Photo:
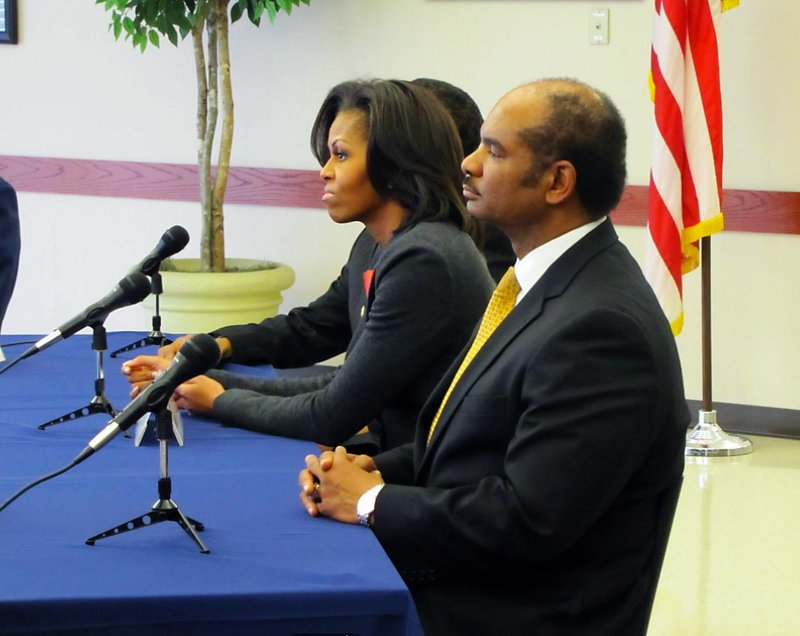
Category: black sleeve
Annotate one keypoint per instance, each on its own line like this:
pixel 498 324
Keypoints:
pixel 304 336
pixel 409 325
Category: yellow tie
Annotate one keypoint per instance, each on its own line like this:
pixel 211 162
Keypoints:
pixel 500 305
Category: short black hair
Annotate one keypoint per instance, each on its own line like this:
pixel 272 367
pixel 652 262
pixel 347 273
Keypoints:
pixel 462 109
pixel 413 150
pixel 590 134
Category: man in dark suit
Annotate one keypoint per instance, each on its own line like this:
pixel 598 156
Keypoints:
pixel 9 244
pixel 531 506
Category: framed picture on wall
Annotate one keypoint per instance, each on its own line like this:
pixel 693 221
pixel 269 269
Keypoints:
pixel 8 21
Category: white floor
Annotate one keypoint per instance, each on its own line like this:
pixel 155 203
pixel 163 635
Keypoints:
pixel 733 562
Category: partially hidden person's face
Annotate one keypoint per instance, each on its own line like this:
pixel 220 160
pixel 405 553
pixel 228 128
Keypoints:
pixel 349 195
pixel 497 185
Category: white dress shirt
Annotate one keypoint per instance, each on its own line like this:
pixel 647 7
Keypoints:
pixel 533 265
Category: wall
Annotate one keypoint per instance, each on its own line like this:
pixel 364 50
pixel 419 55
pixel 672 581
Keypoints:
pixel 70 90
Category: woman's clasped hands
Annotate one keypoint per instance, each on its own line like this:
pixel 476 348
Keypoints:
pixel 196 395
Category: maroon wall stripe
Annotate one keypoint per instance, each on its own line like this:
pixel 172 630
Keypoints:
pixel 745 210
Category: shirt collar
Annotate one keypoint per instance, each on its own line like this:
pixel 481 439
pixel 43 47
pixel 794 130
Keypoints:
pixel 533 265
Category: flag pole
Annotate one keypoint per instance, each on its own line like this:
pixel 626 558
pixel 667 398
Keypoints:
pixel 707 439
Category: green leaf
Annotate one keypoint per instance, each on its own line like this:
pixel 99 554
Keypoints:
pixel 272 11
pixel 172 34
pixel 239 8
pixel 153 37
pixel 258 11
pixel 117 26
pixel 139 41
pixel 175 13
pixel 251 9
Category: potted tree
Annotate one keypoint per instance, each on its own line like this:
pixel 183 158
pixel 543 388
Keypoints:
pixel 183 305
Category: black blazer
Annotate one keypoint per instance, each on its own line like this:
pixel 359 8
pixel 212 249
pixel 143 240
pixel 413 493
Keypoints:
pixel 533 508
pixel 9 244
pixel 401 327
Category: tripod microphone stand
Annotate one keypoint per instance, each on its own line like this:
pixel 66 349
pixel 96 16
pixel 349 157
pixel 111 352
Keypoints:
pixel 165 509
pixel 156 337
pixel 99 403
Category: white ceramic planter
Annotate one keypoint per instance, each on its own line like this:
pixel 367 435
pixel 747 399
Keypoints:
pixel 194 302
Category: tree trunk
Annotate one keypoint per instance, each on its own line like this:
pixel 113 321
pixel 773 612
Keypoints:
pixel 226 137
pixel 203 152
pixel 207 253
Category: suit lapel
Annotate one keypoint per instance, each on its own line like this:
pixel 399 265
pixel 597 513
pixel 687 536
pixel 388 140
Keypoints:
pixel 552 284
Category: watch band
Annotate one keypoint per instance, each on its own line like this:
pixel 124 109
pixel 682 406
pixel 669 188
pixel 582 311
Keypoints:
pixel 366 505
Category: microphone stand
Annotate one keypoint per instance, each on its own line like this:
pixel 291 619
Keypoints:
pixel 99 403
pixel 156 337
pixel 165 509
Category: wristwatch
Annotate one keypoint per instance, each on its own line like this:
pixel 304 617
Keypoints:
pixel 366 505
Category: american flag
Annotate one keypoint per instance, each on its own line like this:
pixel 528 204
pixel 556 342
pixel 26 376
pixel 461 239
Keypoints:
pixel 686 168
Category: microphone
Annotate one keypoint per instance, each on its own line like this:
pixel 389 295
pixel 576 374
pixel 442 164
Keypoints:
pixel 130 290
pixel 171 242
pixel 196 356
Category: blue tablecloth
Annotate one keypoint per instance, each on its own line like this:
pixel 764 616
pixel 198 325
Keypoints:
pixel 271 569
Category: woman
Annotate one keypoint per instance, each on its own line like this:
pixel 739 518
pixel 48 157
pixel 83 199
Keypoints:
pixel 413 288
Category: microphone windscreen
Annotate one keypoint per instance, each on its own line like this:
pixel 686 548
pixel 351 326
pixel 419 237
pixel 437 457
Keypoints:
pixel 135 288
pixel 130 290
pixel 201 352
pixel 173 241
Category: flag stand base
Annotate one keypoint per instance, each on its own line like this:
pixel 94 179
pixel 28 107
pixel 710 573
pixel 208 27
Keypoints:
pixel 707 439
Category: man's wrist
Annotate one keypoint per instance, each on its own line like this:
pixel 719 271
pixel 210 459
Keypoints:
pixel 365 507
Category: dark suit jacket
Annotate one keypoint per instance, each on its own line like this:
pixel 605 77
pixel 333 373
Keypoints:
pixel 428 290
pixel 9 244
pixel 532 510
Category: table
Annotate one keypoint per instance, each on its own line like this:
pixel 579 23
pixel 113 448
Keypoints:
pixel 272 569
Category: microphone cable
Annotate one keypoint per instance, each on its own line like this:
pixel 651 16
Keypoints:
pixel 36 482
pixel 15 344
